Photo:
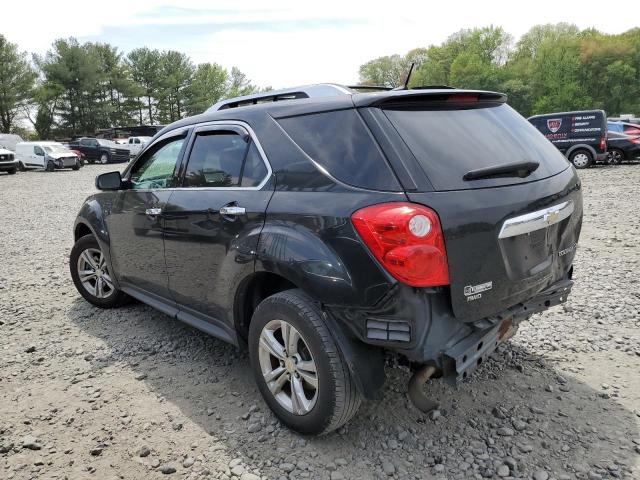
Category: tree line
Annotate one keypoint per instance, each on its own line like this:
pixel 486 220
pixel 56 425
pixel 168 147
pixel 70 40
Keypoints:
pixel 551 68
pixel 79 88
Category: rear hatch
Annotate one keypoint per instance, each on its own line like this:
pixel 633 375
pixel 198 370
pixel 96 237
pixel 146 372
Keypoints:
pixel 509 203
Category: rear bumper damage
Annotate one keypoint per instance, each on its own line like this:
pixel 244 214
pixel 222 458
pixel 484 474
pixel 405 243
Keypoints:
pixel 460 360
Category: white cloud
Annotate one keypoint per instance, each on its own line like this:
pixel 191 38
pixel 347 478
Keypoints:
pixel 274 52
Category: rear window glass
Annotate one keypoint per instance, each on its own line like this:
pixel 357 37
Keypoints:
pixel 450 143
pixel 341 143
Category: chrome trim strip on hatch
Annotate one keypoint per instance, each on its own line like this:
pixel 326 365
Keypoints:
pixel 537 220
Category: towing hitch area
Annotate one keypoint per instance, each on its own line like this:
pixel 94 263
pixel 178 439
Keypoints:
pixel 416 392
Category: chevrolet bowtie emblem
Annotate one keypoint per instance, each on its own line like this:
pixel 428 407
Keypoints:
pixel 551 217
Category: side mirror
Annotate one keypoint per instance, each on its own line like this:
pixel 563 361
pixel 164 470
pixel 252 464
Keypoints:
pixel 109 181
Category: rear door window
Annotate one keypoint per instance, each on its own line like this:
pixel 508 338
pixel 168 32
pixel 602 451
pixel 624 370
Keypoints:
pixel 449 143
pixel 340 143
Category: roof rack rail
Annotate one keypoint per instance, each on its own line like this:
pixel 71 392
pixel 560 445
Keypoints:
pixel 306 91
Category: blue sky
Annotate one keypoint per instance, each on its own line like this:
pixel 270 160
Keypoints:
pixel 282 43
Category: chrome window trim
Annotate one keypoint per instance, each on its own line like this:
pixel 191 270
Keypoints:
pixel 537 220
pixel 221 123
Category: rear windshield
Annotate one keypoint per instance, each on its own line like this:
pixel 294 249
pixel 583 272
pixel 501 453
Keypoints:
pixel 450 143
pixel 341 143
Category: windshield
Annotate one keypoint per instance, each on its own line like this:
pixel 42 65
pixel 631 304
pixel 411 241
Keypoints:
pixel 56 149
pixel 450 143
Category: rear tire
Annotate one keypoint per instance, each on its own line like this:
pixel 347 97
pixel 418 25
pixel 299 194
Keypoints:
pixel 76 166
pixel 312 357
pixel 96 284
pixel 581 158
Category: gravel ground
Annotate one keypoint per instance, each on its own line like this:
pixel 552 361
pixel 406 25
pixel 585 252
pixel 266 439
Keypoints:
pixel 130 393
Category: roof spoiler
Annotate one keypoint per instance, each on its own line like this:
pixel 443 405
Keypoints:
pixel 436 99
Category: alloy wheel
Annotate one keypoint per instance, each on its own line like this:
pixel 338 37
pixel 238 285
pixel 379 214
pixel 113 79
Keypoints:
pixel 288 367
pixel 94 274
pixel 104 159
pixel 616 157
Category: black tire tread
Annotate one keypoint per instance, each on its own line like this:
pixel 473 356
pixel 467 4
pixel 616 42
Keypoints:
pixel 347 399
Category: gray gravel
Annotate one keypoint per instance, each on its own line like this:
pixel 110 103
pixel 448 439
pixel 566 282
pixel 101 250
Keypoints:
pixel 132 394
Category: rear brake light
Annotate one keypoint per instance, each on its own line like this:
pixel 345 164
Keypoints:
pixel 635 139
pixel 603 143
pixel 407 240
pixel 463 98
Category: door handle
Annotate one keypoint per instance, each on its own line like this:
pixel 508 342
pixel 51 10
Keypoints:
pixel 153 211
pixel 232 210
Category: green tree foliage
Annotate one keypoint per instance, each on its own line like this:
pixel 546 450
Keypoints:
pixel 17 79
pixel 551 68
pixel 208 85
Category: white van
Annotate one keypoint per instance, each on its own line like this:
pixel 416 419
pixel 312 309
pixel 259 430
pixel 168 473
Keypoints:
pixel 47 155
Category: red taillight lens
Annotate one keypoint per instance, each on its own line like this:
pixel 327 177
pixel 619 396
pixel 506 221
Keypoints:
pixel 603 143
pixel 407 240
pixel 635 139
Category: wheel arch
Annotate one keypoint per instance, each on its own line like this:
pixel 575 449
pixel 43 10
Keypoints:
pixel 582 146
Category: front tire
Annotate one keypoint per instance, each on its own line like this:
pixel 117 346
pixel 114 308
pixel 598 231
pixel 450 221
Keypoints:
pixel 581 158
pixel 299 367
pixel 91 275
pixel 50 166
pixel 616 156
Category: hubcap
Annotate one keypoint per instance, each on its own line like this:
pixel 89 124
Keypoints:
pixel 104 159
pixel 616 157
pixel 581 160
pixel 94 274
pixel 288 367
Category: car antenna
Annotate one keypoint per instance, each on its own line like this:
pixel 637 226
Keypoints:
pixel 406 81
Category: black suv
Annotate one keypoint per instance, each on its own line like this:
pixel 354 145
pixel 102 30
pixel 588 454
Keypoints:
pixel 326 232
pixel 580 135
pixel 99 150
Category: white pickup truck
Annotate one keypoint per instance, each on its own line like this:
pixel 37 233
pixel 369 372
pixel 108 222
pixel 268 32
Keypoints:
pixel 136 144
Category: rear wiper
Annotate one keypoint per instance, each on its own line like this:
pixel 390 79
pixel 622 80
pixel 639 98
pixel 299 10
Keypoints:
pixel 518 169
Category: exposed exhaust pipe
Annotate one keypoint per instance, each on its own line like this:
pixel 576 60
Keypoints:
pixel 416 393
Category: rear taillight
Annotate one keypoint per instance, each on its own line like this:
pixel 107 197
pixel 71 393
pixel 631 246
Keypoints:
pixel 407 240
pixel 603 143
pixel 635 140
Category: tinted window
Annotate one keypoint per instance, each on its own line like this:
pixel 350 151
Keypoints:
pixel 38 150
pixel 155 169
pixel 216 160
pixel 254 169
pixel 85 141
pixel 341 143
pixel 450 143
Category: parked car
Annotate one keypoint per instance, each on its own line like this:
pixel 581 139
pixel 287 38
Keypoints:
pixel 581 136
pixel 47 155
pixel 8 163
pixel 77 152
pixel 136 144
pixel 624 127
pixel 322 232
pixel 100 150
pixel 622 147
